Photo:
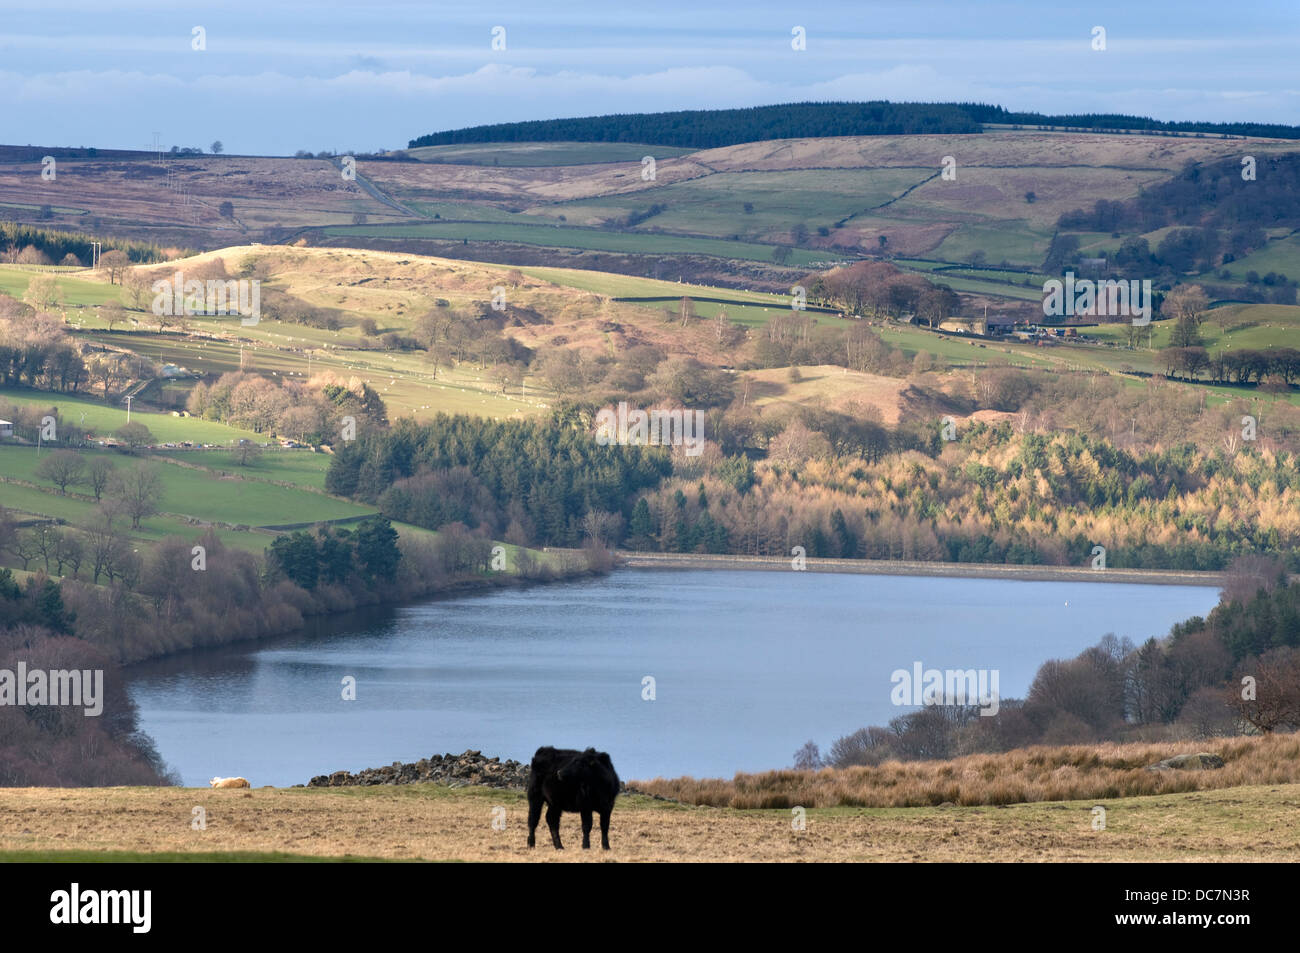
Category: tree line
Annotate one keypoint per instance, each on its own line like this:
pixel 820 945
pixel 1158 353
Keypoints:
pixel 1236 671
pixel 711 128
pixel 310 411
pixel 57 245
pixel 1222 217
pixel 51 745
pixel 529 482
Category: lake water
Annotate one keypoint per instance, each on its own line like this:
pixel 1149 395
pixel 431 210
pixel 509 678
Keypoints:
pixel 746 667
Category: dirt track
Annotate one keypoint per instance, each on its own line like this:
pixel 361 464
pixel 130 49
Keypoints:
pixel 435 823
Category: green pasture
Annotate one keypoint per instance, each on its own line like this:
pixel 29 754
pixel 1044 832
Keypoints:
pixel 715 204
pixel 72 291
pixel 1281 256
pixel 22 500
pixel 403 379
pixel 103 418
pixel 586 239
pixel 1013 241
pixel 300 467
pixel 203 494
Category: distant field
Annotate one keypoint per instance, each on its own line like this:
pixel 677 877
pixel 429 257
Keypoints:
pixel 715 204
pixel 56 209
pixel 465 211
pixel 827 385
pixel 202 494
pixel 540 153
pixel 957 282
pixel 629 286
pixel 1009 242
pixel 299 467
pixel 1228 327
pixel 754 310
pixel 402 378
pixel 588 239
pixel 103 419
pixel 34 502
pixel 853 181
pixel 72 291
pixel 1281 256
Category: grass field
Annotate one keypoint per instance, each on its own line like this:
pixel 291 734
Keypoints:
pixel 299 467
pixel 1282 256
pixel 1227 327
pixel 73 291
pixel 540 153
pixel 588 239
pixel 715 205
pixel 212 495
pixel 403 379
pixel 430 822
pixel 28 501
pixel 103 419
pixel 1011 241
pixel 630 286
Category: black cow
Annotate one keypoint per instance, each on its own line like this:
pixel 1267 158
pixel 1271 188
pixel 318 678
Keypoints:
pixel 576 781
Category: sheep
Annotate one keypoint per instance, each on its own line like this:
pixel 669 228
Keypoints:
pixel 230 783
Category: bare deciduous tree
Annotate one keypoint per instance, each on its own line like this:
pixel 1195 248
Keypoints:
pixel 62 468
pixel 139 491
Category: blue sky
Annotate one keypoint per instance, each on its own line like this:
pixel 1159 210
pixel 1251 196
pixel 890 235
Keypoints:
pixel 280 76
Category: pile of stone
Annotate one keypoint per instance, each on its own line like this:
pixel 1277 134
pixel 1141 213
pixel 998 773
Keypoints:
pixel 453 770
pixel 1203 761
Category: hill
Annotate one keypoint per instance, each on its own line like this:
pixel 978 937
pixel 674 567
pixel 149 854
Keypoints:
pixel 752 214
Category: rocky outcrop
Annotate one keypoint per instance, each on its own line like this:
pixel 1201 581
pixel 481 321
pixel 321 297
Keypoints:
pixel 1204 761
pixel 453 770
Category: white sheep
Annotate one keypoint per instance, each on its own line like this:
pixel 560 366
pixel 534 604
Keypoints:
pixel 230 783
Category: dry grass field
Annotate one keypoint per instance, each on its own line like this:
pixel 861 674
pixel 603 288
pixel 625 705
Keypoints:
pixel 825 385
pixel 179 196
pixel 1024 775
pixel 429 822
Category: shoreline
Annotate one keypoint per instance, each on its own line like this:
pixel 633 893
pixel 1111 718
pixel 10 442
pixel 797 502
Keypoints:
pixel 890 567
pixel 465 586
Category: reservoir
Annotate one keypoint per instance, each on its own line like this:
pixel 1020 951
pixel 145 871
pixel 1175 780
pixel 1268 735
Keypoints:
pixel 743 667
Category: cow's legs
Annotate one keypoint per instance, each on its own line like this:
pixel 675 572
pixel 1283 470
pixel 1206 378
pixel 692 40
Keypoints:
pixel 553 822
pixel 534 815
pixel 604 829
pixel 586 830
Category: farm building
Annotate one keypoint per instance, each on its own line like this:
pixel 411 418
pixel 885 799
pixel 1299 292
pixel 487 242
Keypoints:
pixel 6 428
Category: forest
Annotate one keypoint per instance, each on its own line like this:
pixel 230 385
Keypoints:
pixel 54 247
pixel 1071 470
pixel 713 128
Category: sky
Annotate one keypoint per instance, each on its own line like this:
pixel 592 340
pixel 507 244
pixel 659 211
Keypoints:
pixel 274 77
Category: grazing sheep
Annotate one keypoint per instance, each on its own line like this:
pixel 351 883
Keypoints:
pixel 568 780
pixel 230 783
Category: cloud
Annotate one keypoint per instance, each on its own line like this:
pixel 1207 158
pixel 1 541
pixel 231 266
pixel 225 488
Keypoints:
pixel 369 105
